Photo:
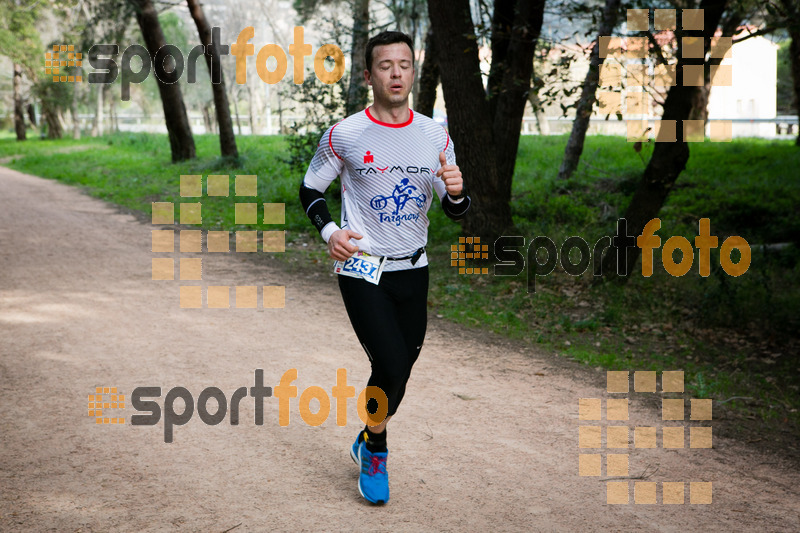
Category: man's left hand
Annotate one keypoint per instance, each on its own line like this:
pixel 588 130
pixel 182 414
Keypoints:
pixel 451 176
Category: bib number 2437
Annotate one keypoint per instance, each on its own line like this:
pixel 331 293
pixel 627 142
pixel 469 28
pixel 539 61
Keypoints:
pixel 361 265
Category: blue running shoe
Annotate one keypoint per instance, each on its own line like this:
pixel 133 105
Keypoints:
pixel 354 447
pixel 373 481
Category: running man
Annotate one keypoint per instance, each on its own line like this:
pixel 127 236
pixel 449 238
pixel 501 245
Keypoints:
pixel 380 247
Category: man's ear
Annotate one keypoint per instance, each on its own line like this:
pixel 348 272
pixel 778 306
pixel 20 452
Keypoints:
pixel 367 77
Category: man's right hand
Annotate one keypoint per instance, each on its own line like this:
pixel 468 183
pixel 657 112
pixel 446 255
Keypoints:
pixel 339 246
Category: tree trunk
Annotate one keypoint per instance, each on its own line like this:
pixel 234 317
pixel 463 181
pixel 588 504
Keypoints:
pixel 207 118
pixel 357 88
pixel 486 133
pixel 236 111
pixel 19 108
pixel 260 113
pixel 112 115
pixel 227 140
pixel 280 113
pixel 31 114
pixel 538 111
pixel 73 111
pixel 251 109
pixel 268 111
pixel 469 117
pixel 669 158
pixel 50 117
pixel 502 21
pixel 794 54
pixel 583 113
pixel 62 122
pixel 514 87
pixel 180 134
pixel 428 78
pixel 97 124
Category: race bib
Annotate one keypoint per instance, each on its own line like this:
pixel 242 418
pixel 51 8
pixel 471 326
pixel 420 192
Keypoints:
pixel 361 265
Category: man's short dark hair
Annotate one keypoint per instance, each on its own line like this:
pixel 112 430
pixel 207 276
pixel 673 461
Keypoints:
pixel 384 38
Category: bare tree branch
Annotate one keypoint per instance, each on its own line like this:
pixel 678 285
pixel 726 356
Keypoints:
pixel 656 48
pixel 763 31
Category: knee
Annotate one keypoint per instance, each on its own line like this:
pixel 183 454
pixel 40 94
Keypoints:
pixel 391 379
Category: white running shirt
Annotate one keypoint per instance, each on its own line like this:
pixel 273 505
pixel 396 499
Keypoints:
pixel 388 173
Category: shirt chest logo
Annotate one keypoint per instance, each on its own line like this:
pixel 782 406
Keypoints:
pixel 395 202
pixel 370 167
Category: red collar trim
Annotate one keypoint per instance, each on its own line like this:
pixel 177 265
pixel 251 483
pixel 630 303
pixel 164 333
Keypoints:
pixel 388 125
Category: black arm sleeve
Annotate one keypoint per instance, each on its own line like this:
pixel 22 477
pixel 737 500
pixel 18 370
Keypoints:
pixel 456 211
pixel 315 206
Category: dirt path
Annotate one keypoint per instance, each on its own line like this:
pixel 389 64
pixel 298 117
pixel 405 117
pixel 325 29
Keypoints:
pixel 487 437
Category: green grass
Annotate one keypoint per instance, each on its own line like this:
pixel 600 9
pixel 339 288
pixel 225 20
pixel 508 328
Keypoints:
pixel 133 170
pixel 732 336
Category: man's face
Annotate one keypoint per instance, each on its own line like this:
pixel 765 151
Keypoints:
pixel 392 74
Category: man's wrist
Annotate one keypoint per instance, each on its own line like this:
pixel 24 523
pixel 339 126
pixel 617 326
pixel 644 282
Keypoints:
pixel 456 199
pixel 329 230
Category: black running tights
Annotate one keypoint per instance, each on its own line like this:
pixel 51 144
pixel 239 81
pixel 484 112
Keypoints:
pixel 390 321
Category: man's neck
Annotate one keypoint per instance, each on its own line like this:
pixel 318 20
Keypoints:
pixel 391 115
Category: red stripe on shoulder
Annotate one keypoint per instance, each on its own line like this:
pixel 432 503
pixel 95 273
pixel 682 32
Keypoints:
pixel 447 135
pixel 330 141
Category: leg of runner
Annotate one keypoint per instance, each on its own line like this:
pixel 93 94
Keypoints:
pixel 390 320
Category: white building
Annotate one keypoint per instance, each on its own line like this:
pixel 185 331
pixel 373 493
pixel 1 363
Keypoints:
pixel 752 94
pixel 747 98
